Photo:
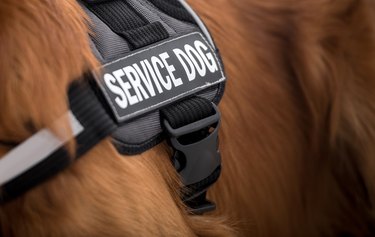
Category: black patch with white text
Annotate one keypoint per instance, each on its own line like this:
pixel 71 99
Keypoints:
pixel 154 77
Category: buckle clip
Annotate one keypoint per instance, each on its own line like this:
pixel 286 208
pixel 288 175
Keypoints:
pixel 197 158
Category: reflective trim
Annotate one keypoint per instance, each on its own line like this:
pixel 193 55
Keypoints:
pixel 35 149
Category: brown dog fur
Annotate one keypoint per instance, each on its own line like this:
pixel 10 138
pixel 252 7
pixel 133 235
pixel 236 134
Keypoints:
pixel 296 140
pixel 298 117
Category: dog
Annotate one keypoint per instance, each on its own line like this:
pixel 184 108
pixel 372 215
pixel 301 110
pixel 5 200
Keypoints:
pixel 296 138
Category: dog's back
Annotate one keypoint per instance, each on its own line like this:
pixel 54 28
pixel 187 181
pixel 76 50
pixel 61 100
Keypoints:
pixel 299 128
pixel 297 135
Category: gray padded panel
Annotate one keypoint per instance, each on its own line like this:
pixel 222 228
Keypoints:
pixel 209 94
pixel 110 45
pixel 95 51
pixel 139 130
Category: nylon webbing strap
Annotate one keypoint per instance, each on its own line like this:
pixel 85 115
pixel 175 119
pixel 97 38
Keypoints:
pixel 125 21
pixel 96 123
pixel 188 111
pixel 94 118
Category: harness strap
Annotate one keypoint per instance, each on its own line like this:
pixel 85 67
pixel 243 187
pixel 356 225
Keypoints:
pixel 128 23
pixel 94 125
pixel 192 124
pixel 188 111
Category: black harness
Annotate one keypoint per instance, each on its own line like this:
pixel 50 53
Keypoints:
pixel 161 78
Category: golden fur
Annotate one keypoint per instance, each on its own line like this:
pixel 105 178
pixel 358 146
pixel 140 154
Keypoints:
pixel 297 137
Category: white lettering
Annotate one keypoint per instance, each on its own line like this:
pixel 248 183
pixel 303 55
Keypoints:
pixel 160 73
pixel 208 58
pixel 201 67
pixel 134 79
pixel 170 69
pixel 125 86
pixel 153 75
pixel 121 100
pixel 155 62
pixel 182 57
pixel 145 77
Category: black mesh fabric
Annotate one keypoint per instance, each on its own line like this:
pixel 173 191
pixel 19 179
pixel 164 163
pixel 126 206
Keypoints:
pixel 173 8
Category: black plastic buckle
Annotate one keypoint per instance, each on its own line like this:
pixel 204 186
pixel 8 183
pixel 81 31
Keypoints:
pixel 199 158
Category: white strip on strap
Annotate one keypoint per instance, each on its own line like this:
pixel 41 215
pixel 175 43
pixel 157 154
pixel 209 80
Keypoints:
pixel 35 149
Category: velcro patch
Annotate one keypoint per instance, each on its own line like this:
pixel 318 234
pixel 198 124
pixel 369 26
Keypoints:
pixel 151 78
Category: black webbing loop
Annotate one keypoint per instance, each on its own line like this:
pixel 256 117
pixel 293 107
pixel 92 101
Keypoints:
pixel 125 21
pixel 145 35
pixel 97 125
pixel 118 15
pixel 89 111
pixel 188 111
